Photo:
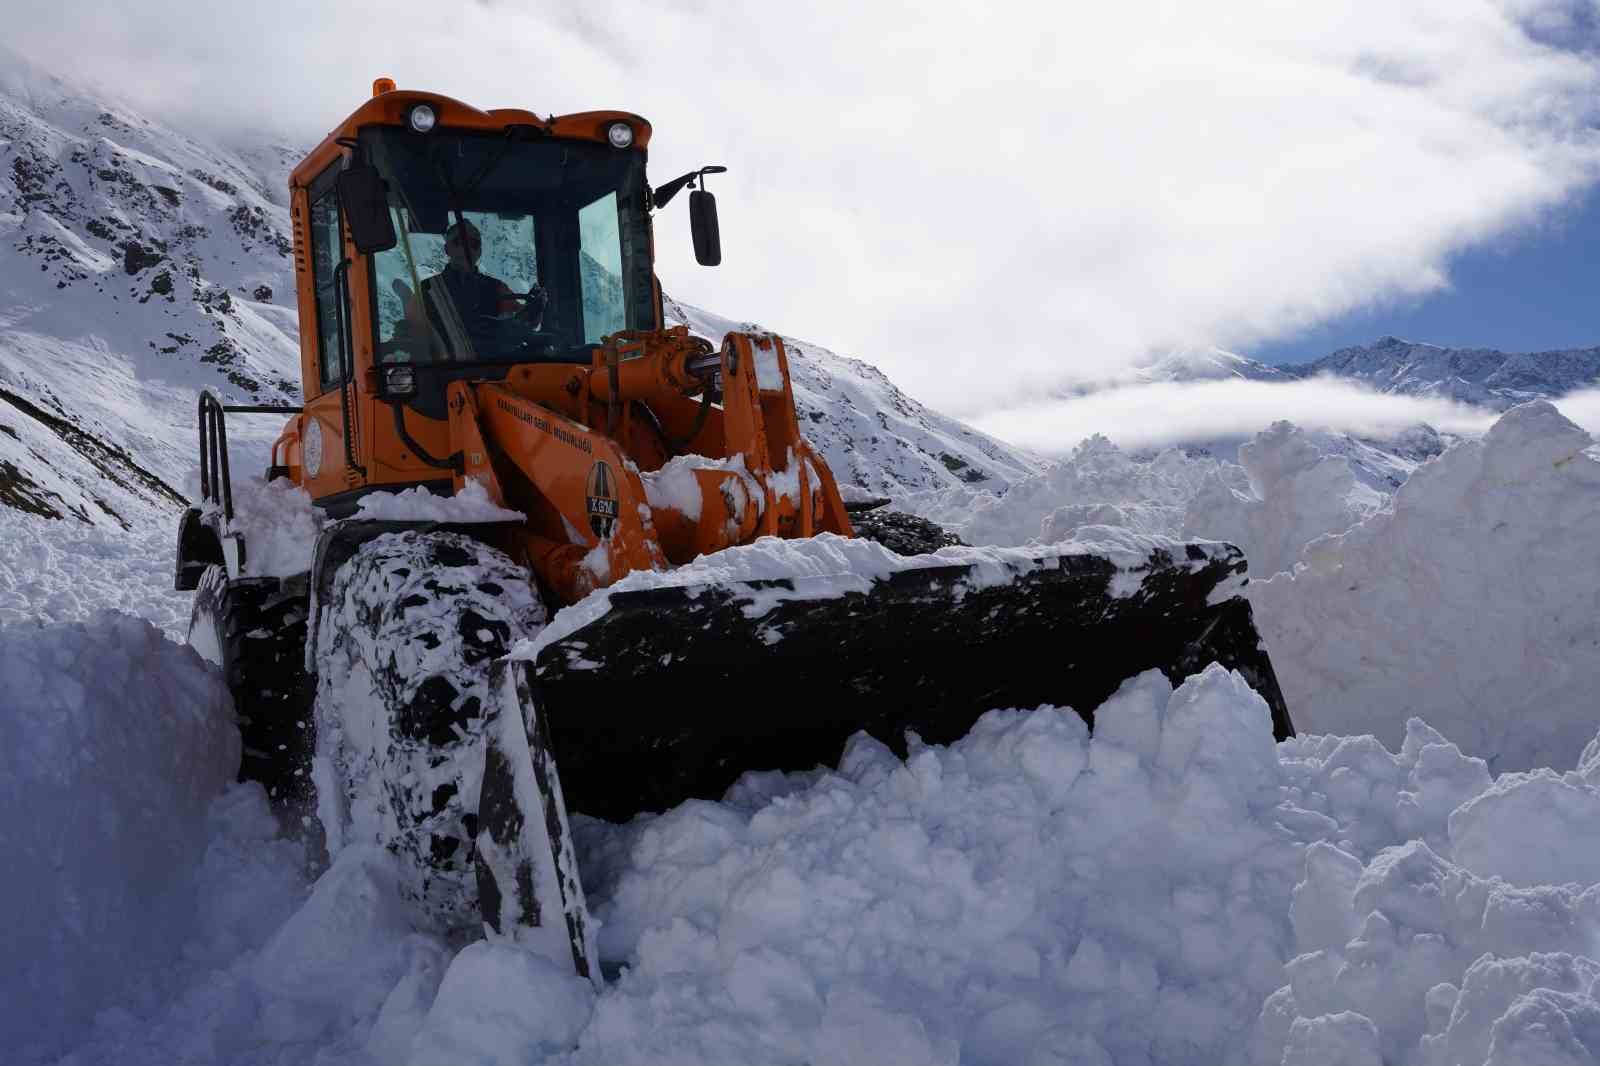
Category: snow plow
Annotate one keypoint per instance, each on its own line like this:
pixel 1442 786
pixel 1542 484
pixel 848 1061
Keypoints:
pixel 572 558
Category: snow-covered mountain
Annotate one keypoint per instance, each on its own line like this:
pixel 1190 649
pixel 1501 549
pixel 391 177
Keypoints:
pixel 1207 363
pixel 137 266
pixel 1480 376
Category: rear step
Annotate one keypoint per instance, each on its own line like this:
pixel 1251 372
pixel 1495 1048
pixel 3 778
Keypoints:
pixel 675 692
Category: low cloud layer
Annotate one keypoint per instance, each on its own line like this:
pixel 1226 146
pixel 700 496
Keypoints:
pixel 1151 416
pixel 986 202
pixel 1583 407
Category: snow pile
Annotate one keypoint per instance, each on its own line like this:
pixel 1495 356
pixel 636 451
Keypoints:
pixel 279 524
pixel 1422 960
pixel 1297 493
pixel 1098 484
pixel 676 486
pixel 1469 601
pixel 66 571
pixel 501 1005
pixel 471 504
pixel 1028 894
pixel 112 743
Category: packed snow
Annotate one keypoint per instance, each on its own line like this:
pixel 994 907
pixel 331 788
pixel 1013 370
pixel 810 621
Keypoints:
pixel 1471 600
pixel 115 741
pixel 1297 493
pixel 1174 888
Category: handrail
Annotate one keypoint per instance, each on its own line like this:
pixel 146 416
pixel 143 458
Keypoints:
pixel 216 482
pixel 347 362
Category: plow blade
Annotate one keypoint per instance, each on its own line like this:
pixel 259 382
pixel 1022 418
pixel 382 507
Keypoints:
pixel 675 691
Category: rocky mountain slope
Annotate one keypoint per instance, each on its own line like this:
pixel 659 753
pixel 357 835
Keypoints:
pixel 1483 377
pixel 1480 376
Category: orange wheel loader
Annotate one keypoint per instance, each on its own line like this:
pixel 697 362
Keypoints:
pixel 481 327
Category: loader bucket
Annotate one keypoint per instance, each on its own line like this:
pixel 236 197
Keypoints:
pixel 674 692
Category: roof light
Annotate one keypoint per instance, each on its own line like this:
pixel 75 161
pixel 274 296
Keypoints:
pixel 620 134
pixel 422 118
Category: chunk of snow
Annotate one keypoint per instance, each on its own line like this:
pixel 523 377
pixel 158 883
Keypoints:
pixel 502 1006
pixel 471 504
pixel 280 526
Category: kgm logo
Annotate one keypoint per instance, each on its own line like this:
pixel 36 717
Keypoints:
pixel 602 500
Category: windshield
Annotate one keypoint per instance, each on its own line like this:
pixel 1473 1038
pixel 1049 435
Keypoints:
pixel 511 248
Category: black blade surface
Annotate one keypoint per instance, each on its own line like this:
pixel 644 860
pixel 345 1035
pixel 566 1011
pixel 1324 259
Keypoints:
pixel 675 692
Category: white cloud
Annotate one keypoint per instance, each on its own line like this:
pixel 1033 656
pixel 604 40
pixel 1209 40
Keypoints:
pixel 985 200
pixel 1147 416
pixel 1583 407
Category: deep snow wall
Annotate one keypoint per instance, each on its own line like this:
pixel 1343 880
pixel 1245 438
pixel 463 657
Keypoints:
pixel 1472 601
pixel 113 742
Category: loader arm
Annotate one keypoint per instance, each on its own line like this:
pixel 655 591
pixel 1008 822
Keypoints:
pixel 597 511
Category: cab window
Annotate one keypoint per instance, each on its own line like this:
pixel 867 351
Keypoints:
pixel 327 251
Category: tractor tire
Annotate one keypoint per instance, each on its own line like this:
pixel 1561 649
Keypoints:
pixel 256 635
pixel 901 533
pixel 413 623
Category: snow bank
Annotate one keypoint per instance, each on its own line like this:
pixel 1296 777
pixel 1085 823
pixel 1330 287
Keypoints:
pixel 1408 943
pixel 1297 493
pixel 1176 888
pixel 64 571
pixel 1028 894
pixel 1470 601
pixel 1442 967
pixel 112 743
pixel 1098 484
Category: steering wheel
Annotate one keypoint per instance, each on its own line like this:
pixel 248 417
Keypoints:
pixel 534 303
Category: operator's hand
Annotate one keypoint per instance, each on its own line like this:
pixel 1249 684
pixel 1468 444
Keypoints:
pixel 534 304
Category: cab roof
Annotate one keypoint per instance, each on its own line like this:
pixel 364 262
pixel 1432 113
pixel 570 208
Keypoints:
pixel 392 108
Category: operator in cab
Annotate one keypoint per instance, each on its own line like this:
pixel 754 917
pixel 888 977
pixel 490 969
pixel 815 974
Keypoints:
pixel 461 307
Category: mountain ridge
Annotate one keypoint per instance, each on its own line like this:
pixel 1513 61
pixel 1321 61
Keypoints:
pixel 1486 377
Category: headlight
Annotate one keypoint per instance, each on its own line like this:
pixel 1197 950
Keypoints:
pixel 400 381
pixel 620 134
pixel 422 118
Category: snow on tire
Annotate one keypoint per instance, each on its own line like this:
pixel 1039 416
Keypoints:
pixel 412 624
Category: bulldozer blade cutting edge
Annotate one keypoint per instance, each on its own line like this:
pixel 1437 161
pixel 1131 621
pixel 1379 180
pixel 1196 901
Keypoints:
pixel 528 885
pixel 674 691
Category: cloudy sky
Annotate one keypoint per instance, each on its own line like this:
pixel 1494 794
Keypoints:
pixel 987 200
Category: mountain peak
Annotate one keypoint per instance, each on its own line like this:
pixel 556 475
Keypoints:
pixel 1480 376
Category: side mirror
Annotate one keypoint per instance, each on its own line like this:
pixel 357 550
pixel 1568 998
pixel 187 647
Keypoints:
pixel 703 227
pixel 366 209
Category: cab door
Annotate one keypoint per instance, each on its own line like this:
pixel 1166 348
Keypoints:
pixel 332 462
